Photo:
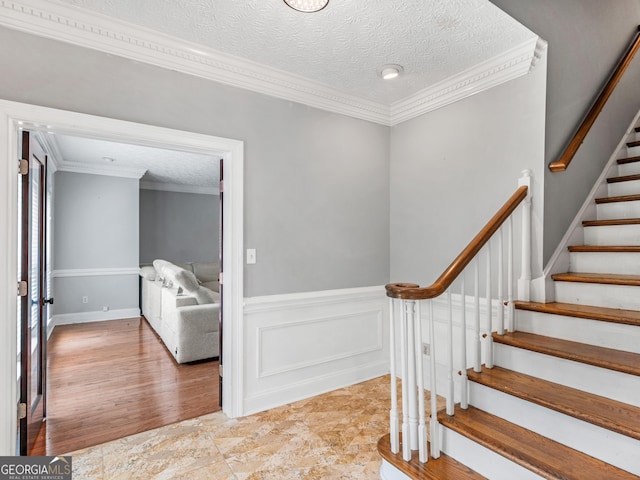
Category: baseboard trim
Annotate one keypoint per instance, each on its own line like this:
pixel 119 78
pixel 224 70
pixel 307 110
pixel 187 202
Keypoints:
pixel 98 316
pixel 314 386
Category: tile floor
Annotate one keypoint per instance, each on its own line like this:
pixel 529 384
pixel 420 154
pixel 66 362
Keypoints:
pixel 331 436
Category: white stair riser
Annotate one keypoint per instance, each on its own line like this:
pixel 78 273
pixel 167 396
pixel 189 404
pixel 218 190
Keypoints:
pixel 632 168
pixel 599 381
pixel 484 461
pixel 611 447
pixel 624 188
pixel 633 151
pixel 599 295
pixel 610 211
pixel 626 263
pixel 592 332
pixel 612 235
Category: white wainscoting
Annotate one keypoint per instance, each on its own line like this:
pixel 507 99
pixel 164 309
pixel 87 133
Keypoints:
pixel 300 345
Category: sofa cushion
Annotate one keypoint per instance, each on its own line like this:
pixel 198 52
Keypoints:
pixel 214 286
pixel 189 284
pixel 206 271
pixel 148 273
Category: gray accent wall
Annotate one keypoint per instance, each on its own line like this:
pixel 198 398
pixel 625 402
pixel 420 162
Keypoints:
pixel 179 227
pixel 586 39
pixel 95 227
pixel 453 168
pixel 316 183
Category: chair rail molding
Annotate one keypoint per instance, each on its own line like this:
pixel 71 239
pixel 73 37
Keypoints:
pixel 100 32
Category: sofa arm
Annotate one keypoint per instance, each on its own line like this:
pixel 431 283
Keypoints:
pixel 197 319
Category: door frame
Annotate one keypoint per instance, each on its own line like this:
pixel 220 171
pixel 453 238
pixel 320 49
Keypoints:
pixel 13 117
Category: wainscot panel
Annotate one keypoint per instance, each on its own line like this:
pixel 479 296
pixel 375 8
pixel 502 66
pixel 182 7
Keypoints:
pixel 300 345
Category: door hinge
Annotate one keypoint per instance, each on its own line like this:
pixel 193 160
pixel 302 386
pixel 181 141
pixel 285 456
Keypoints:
pixel 220 278
pixel 22 411
pixel 23 288
pixel 220 370
pixel 23 167
pixel 221 188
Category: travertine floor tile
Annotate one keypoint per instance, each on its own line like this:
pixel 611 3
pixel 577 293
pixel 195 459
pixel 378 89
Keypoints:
pixel 331 436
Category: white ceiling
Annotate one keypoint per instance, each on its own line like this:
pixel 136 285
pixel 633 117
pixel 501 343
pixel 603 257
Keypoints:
pixel 176 170
pixel 341 46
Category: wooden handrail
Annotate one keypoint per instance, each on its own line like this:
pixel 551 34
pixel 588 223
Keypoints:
pixel 562 163
pixel 409 291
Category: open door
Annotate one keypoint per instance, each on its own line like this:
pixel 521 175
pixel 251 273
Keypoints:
pixel 220 278
pixel 32 291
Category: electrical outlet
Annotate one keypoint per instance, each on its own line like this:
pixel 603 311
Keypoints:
pixel 426 349
pixel 85 299
pixel 105 308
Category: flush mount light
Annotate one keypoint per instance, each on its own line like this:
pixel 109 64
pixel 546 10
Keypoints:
pixel 389 72
pixel 307 6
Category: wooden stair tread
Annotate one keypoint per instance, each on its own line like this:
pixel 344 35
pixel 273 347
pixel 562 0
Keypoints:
pixel 443 468
pixel 617 199
pixel 623 178
pixel 547 458
pixel 633 144
pixel 605 248
pixel 615 221
pixel 622 161
pixel 609 358
pixel 601 411
pixel 604 278
pixel 613 315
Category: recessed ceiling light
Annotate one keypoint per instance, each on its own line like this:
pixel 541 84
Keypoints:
pixel 108 159
pixel 307 6
pixel 389 72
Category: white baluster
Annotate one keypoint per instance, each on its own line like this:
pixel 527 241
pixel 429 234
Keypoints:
pixel 511 322
pixel 488 361
pixel 500 327
pixel 524 283
pixel 464 403
pixel 406 444
pixel 476 326
pixel 450 400
pixel 433 424
pixel 393 413
pixel 411 380
pixel 422 429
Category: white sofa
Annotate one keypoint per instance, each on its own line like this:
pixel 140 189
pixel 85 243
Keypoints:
pixel 181 303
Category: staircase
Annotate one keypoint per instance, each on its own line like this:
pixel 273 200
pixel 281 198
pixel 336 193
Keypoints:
pixel 563 398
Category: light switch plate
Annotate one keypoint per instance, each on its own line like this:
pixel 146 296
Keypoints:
pixel 251 256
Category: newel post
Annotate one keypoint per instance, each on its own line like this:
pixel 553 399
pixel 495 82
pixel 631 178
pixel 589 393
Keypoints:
pixel 524 282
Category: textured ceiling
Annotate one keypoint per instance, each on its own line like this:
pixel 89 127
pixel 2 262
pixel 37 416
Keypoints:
pixel 162 166
pixel 341 46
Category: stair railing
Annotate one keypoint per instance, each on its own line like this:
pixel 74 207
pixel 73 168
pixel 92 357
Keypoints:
pixel 405 316
pixel 562 163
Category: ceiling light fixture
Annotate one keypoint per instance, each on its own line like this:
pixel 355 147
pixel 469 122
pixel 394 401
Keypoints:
pixel 307 6
pixel 389 72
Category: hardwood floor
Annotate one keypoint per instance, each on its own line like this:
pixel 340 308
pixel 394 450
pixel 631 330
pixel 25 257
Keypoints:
pixel 107 380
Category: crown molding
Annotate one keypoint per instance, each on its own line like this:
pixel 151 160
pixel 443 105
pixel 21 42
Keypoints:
pixel 174 187
pixel 109 171
pixel 100 32
pixel 509 65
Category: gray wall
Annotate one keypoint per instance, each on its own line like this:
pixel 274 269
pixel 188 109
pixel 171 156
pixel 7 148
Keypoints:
pixel 453 168
pixel 95 227
pixel 179 227
pixel 316 183
pixel 586 39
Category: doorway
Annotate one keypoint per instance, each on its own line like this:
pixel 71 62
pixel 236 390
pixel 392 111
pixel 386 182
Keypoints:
pixel 21 116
